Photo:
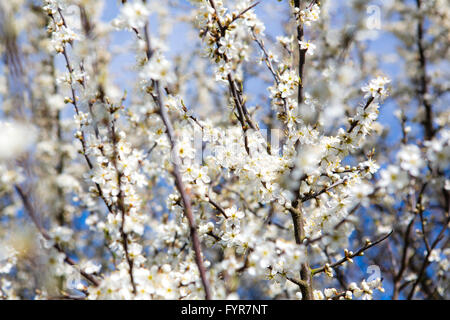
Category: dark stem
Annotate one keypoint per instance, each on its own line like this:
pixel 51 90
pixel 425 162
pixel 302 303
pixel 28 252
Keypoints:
pixel 157 98
pixel 301 54
pixel 423 82
pixel 305 270
pixel 31 213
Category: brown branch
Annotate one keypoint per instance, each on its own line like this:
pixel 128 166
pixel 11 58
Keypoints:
pixel 426 283
pixel 299 282
pixel 269 66
pixel 218 207
pixel 243 114
pixel 404 258
pixel 121 204
pixel 75 104
pixel 426 262
pixel 267 57
pixel 157 98
pixel 296 210
pixel 423 82
pixel 318 193
pixel 242 13
pixel 347 257
pixel 299 233
pixel 355 123
pixel 31 213
pixel 422 223
pixel 301 54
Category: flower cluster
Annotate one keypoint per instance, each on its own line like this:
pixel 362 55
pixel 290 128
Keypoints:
pixel 376 88
pixel 310 14
pixel 363 291
pixel 133 15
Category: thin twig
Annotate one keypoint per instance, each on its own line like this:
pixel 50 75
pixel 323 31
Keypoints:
pixel 31 213
pixel 350 256
pixel 426 261
pixel 157 98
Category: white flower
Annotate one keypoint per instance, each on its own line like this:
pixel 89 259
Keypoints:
pixel 7 258
pixel 310 15
pixel 15 139
pixel 227 45
pixel 52 6
pixel 61 234
pixel 91 268
pixel 376 88
pixel 285 89
pixel 438 150
pixel 184 149
pixel 133 14
pixel 411 159
pixel 435 255
pixel 318 295
pixel 329 292
pixel 393 178
pixel 308 158
pixel 308 46
pixel 158 69
pixel 223 69
pixel 348 295
pixel 203 175
pixel 360 193
pixel 233 214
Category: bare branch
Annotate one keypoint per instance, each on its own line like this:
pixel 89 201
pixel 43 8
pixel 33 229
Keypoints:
pixel 360 252
pixel 31 213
